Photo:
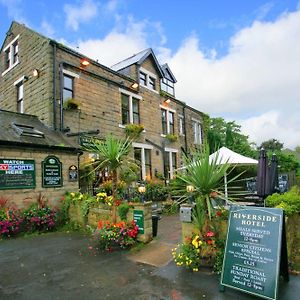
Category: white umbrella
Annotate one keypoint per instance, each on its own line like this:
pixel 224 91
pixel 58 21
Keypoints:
pixel 225 155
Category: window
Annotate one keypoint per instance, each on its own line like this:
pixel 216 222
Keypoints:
pixel 147 79
pixel 11 55
pixel 170 162
pixel 181 125
pixel 167 121
pixel 130 104
pixel 167 86
pixel 20 97
pixel 27 130
pixel 68 87
pixel 197 127
pixel 142 154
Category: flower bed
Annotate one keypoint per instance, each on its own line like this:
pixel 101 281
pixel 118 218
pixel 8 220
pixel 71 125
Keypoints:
pixel 115 235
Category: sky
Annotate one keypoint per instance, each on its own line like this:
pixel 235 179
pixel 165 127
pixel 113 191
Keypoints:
pixel 235 59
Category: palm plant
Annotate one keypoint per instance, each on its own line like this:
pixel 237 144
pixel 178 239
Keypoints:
pixel 111 153
pixel 206 176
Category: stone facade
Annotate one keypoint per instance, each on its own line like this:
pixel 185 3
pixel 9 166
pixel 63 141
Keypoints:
pixel 98 89
pixel 23 197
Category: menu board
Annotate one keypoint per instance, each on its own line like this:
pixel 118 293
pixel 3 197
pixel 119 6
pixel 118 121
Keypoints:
pixel 17 174
pixel 51 172
pixel 252 252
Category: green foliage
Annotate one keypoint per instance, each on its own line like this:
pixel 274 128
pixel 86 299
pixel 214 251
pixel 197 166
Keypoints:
pixel 289 201
pixel 71 104
pixel 133 130
pixel 171 137
pixel 87 174
pixel 228 134
pixel 156 191
pixel 123 209
pixel 272 145
pixel 287 162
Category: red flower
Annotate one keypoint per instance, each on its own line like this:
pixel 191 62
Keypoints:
pixel 210 242
pixel 210 234
pixel 219 213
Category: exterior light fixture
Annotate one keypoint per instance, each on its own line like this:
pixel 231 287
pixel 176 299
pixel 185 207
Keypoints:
pixel 167 101
pixel 35 73
pixel 135 85
pixel 190 188
pixel 84 62
pixel 142 189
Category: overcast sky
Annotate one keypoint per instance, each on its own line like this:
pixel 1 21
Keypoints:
pixel 239 60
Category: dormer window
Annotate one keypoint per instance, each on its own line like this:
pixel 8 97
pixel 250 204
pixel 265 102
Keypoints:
pixel 147 79
pixel 167 86
pixel 11 55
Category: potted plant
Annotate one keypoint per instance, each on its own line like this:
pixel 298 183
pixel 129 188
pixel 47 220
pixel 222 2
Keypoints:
pixel 171 137
pixel 71 104
pixel 133 130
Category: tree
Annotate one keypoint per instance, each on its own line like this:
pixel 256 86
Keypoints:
pixel 272 145
pixel 228 134
pixel 112 153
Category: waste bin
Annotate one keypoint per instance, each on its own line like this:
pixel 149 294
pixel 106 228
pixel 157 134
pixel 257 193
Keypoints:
pixel 155 219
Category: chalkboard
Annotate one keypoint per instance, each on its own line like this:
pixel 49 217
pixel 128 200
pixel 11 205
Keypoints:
pixel 17 174
pixel 253 250
pixel 51 172
pixel 138 217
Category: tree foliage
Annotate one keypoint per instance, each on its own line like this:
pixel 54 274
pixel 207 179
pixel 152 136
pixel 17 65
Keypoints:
pixel 228 134
pixel 272 145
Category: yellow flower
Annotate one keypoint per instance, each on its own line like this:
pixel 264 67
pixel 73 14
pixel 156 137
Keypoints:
pixel 72 194
pixel 195 269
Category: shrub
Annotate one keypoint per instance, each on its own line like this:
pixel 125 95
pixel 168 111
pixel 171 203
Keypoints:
pixel 289 201
pixel 10 222
pixel 123 210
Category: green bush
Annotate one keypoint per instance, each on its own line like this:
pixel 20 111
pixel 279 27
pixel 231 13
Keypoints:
pixel 123 210
pixel 156 191
pixel 289 201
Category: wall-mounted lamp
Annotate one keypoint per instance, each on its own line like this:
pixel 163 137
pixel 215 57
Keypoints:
pixel 167 101
pixel 84 62
pixel 35 73
pixel 135 85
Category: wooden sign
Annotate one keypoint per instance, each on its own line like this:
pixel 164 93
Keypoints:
pixel 255 246
pixel 51 172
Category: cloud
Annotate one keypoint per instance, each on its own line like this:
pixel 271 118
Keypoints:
pixel 80 14
pixel 14 10
pixel 260 73
pixel 47 29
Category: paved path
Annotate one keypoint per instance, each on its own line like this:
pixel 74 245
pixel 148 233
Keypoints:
pixel 67 266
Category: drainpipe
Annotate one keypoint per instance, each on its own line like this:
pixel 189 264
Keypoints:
pixel 61 95
pixel 54 86
pixel 185 132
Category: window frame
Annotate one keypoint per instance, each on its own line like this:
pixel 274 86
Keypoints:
pixel 181 125
pixel 143 148
pixel 131 98
pixel 19 84
pixel 197 132
pixel 64 88
pixel 170 122
pixel 167 86
pixel 151 80
pixel 11 55
pixel 170 167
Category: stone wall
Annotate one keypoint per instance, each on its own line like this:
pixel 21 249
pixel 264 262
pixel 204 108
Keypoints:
pixel 22 197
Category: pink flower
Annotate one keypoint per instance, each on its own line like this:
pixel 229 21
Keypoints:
pixel 210 234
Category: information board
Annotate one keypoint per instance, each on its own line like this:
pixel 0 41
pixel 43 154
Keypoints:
pixel 17 174
pixel 253 249
pixel 138 217
pixel 73 173
pixel 51 172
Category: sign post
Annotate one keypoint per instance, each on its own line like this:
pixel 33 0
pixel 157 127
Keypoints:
pixel 254 247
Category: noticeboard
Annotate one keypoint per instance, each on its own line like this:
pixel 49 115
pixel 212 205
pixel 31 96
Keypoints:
pixel 253 250
pixel 17 174
pixel 73 173
pixel 138 217
pixel 51 172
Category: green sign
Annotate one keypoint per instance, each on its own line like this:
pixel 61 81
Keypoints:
pixel 51 172
pixel 253 248
pixel 138 217
pixel 17 174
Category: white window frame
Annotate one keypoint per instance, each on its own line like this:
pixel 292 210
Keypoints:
pixel 168 109
pixel 181 125
pixel 11 54
pixel 130 95
pixel 148 74
pixel 197 131
pixel 169 152
pixel 143 147
pixel 19 84
pixel 70 73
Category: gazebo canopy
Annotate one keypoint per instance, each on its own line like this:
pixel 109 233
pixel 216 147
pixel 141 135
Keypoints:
pixel 225 155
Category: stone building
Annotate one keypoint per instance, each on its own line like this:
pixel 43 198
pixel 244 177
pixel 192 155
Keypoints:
pixel 80 97
pixel 35 161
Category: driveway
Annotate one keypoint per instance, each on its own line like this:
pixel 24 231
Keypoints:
pixel 67 266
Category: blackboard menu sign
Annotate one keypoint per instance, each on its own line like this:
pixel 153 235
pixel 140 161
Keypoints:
pixel 51 172
pixel 138 217
pixel 17 174
pixel 253 249
pixel 73 173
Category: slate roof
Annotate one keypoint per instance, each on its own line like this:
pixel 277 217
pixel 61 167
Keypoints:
pixel 28 131
pixel 138 58
pixel 168 73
